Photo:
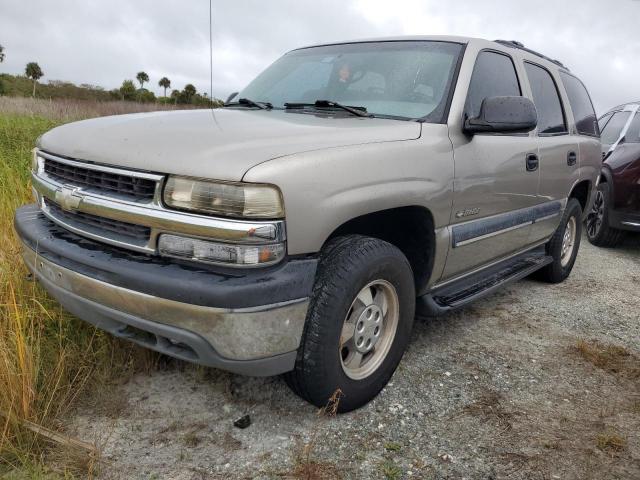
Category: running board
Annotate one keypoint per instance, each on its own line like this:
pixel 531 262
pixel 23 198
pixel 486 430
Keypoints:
pixel 468 289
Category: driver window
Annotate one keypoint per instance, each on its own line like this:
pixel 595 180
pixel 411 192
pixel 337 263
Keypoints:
pixel 494 75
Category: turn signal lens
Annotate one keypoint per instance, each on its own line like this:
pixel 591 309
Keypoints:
pixel 221 253
pixel 35 164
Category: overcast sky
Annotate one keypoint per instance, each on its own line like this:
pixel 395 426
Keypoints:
pixel 102 43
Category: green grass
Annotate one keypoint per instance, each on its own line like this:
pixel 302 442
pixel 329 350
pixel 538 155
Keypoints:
pixel 49 360
pixel 390 470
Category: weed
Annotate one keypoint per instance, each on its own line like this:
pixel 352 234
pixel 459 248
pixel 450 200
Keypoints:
pixel 191 440
pixel 390 470
pixel 392 447
pixel 305 466
pixel 611 442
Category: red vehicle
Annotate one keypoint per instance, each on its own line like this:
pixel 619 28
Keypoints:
pixel 616 208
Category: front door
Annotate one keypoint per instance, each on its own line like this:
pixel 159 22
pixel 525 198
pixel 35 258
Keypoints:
pixel 496 177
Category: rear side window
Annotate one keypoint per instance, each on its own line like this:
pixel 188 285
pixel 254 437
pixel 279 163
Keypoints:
pixel 633 134
pixel 581 106
pixel 494 75
pixel 613 128
pixel 546 99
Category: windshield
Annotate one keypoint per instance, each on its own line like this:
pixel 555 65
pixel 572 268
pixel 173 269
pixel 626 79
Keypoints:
pixel 409 80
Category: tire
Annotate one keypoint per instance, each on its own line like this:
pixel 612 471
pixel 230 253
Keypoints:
pixel 349 267
pixel 599 233
pixel 562 264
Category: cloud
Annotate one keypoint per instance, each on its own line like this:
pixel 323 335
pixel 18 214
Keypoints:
pixel 105 42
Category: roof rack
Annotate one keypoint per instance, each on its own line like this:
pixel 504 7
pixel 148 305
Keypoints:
pixel 520 46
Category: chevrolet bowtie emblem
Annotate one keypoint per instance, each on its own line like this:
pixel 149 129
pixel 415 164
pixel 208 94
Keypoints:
pixel 68 198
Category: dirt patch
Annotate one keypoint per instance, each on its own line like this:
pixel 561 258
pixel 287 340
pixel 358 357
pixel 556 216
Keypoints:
pixel 536 382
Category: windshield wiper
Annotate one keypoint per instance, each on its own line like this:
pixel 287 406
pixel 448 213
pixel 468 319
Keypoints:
pixel 358 111
pixel 252 103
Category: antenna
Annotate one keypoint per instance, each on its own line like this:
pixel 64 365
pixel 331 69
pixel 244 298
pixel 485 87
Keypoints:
pixel 210 55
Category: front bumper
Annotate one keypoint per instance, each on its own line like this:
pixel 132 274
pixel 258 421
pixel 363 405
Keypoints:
pixel 244 322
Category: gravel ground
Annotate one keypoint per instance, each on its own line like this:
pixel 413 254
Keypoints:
pixel 501 389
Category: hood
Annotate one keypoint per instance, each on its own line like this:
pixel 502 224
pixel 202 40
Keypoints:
pixel 221 144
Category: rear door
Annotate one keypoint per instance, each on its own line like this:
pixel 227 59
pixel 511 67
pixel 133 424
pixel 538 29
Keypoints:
pixel 493 190
pixel 584 128
pixel 558 151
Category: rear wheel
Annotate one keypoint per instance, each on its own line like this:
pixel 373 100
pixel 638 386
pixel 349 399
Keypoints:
pixel 358 324
pixel 564 245
pixel 599 232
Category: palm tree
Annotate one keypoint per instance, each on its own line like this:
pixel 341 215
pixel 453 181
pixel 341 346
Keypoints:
pixel 165 83
pixel 128 90
pixel 34 72
pixel 142 77
pixel 189 91
pixel 1 54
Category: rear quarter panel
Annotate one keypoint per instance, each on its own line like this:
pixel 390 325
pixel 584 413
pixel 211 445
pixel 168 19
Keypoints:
pixel 590 161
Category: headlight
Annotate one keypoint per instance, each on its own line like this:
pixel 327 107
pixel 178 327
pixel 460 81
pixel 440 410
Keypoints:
pixel 219 253
pixel 242 200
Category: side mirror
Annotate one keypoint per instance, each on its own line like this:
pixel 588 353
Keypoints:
pixel 231 97
pixel 503 115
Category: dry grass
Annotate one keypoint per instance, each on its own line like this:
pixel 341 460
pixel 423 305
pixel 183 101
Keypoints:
pixel 611 442
pixel 64 111
pixel 489 408
pixel 611 358
pixel 48 359
pixel 305 466
pixel 314 470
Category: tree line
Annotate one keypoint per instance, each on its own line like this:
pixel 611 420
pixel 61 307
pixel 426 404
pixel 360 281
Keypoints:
pixel 188 95
pixel 128 91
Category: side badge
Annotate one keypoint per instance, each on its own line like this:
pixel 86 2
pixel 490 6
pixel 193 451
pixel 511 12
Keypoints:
pixel 467 213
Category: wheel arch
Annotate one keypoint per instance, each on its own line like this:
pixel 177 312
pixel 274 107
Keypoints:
pixel 410 228
pixel 581 191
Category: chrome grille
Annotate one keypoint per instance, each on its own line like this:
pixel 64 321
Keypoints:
pixel 137 233
pixel 123 207
pixel 107 182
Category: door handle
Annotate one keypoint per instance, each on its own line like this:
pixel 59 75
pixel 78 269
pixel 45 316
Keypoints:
pixel 532 162
pixel 572 158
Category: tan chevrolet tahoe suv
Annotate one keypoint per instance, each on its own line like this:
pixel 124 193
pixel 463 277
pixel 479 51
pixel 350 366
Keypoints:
pixel 300 229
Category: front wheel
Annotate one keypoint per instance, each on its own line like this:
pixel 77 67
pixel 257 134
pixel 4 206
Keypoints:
pixel 358 325
pixel 564 245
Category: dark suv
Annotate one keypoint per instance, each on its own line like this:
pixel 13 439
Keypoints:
pixel 616 208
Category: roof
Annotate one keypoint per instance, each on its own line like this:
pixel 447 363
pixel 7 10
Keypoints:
pixel 402 38
pixel 443 38
pixel 624 106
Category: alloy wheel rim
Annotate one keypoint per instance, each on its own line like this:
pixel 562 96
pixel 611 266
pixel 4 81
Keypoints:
pixel 596 216
pixel 568 242
pixel 369 329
